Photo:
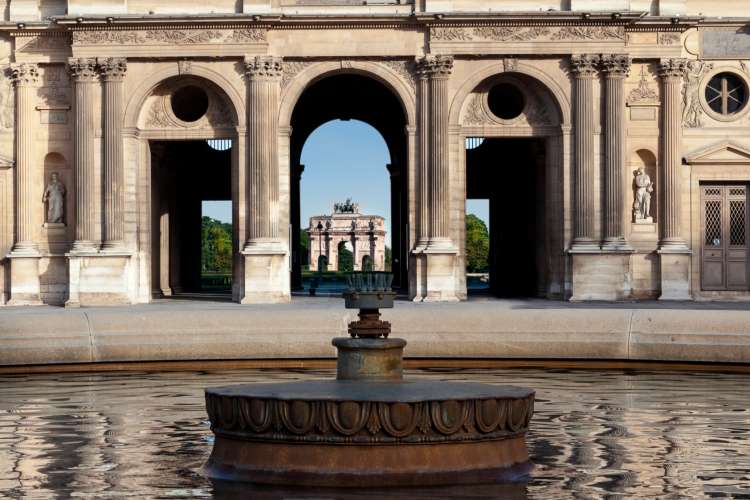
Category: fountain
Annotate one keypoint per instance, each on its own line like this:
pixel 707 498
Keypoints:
pixel 369 426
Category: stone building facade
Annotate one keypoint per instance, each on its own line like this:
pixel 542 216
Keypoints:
pixel 364 233
pixel 612 138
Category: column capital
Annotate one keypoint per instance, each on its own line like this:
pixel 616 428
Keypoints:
pixel 24 74
pixel 112 68
pixel 585 65
pixel 615 65
pixel 83 69
pixel 436 66
pixel 672 68
pixel 263 67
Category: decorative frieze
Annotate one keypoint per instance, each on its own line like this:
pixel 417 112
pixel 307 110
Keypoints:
pixel 189 36
pixel 525 34
pixel 669 38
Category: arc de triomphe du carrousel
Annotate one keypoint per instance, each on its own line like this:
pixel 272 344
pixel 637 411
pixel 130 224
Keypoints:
pixel 611 141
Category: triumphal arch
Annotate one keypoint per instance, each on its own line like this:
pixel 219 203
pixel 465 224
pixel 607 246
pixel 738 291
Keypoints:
pixel 611 139
pixel 363 234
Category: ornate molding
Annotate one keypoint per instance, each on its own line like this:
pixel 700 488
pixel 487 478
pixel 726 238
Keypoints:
pixel 524 33
pixel 585 65
pixel 263 68
pixel 368 422
pixel 669 38
pixel 673 68
pixel 24 74
pixel 291 69
pixel 188 36
pixel 83 69
pixel 159 114
pixel 615 65
pixel 403 69
pixel 643 93
pixel 113 68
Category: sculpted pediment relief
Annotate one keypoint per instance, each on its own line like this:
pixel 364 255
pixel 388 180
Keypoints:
pixel 725 152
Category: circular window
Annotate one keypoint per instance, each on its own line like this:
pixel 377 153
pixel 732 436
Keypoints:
pixel 726 94
pixel 189 103
pixel 506 101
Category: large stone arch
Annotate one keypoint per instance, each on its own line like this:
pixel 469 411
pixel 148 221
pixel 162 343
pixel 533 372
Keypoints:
pixel 552 86
pixel 146 88
pixel 318 71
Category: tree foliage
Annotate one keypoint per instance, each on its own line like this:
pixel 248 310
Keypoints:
pixel 477 245
pixel 346 259
pixel 304 247
pixel 216 243
pixel 388 258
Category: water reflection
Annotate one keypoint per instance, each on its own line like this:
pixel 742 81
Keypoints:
pixel 595 433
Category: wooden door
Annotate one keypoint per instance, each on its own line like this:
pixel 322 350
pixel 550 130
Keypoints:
pixel 724 232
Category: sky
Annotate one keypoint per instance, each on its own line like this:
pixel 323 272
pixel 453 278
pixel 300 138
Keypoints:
pixel 343 159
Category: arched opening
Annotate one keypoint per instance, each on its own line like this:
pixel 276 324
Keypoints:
pixel 367 263
pixel 350 107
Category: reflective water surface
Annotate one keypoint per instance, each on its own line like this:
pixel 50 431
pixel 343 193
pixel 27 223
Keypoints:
pixel 594 434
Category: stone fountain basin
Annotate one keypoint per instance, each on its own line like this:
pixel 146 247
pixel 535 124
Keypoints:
pixel 369 433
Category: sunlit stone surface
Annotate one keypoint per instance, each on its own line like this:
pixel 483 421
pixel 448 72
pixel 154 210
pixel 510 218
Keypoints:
pixel 595 433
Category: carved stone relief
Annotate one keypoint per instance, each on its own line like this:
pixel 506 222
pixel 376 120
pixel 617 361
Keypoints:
pixel 159 112
pixel 404 70
pixel 692 114
pixel 535 112
pixel 291 69
pixel 7 103
pixel 670 38
pixel 643 93
pixel 188 36
pixel 524 33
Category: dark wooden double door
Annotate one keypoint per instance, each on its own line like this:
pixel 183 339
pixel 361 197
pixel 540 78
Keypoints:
pixel 724 228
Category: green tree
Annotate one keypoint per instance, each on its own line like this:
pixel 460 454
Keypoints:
pixel 304 247
pixel 346 259
pixel 388 258
pixel 216 246
pixel 477 245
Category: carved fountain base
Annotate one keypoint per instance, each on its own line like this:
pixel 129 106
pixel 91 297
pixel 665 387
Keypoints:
pixel 369 427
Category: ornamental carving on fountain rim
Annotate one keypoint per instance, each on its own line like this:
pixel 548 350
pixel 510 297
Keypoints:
pixel 24 74
pixel 368 422
pixel 585 65
pixel 264 68
pixel 615 65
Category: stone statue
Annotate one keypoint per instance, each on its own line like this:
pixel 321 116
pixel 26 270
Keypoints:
pixel 54 197
pixel 372 225
pixel 643 189
pixel 354 225
pixel 346 207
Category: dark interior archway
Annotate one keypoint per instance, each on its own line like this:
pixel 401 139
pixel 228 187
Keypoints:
pixel 353 97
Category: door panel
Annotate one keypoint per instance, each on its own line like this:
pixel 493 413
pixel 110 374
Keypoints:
pixel 724 228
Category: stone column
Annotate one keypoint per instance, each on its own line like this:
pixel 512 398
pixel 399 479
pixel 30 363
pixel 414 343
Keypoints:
pixel 440 68
pixel 266 268
pixel 25 286
pixel 84 73
pixel 585 70
pixel 423 145
pixel 671 72
pixel 673 250
pixel 25 77
pixel 113 73
pixel 616 68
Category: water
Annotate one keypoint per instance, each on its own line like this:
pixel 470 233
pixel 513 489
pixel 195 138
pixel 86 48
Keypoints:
pixel 595 434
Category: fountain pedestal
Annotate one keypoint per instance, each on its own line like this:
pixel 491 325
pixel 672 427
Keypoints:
pixel 369 427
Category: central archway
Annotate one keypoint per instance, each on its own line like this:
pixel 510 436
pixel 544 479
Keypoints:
pixel 353 95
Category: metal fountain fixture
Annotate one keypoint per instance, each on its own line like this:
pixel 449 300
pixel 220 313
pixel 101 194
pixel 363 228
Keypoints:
pixel 370 426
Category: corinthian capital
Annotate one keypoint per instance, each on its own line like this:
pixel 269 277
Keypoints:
pixel 113 68
pixel 435 66
pixel 673 68
pixel 263 67
pixel 83 69
pixel 585 65
pixel 615 65
pixel 24 74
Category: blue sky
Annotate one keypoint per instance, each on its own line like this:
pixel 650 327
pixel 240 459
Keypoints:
pixel 343 159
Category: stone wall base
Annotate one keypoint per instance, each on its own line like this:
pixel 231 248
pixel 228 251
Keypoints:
pixel 675 275
pixel 601 276
pixel 266 279
pixel 99 279
pixel 25 287
pixel 438 278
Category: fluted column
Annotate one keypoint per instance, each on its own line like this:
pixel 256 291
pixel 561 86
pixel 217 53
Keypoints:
pixel 84 73
pixel 25 77
pixel 439 68
pixel 671 72
pixel 616 68
pixel 585 70
pixel 423 145
pixel 263 74
pixel 113 73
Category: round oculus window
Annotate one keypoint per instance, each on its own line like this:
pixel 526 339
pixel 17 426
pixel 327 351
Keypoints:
pixel 726 94
pixel 506 101
pixel 189 103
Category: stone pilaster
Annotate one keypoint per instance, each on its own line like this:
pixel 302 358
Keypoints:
pixel 113 73
pixel 423 145
pixel 615 68
pixel 25 288
pixel 585 70
pixel 85 77
pixel 266 267
pixel 673 250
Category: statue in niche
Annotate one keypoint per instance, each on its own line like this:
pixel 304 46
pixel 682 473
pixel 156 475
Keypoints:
pixel 642 203
pixel 54 197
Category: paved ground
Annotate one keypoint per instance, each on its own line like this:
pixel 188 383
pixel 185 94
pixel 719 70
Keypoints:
pixel 213 328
